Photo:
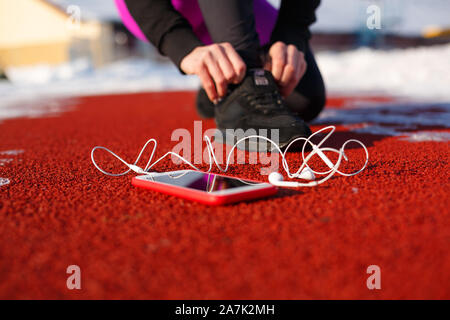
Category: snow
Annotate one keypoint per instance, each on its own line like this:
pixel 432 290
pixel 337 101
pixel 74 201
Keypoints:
pixel 32 104
pixel 428 136
pixel 12 152
pixel 418 73
pixel 409 115
pixel 5 161
pixel 415 72
pixel 44 89
pixel 4 181
pixel 399 119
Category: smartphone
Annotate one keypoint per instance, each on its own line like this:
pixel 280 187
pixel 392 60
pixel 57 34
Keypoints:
pixel 207 188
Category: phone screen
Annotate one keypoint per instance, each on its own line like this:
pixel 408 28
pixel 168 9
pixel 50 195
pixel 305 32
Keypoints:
pixel 202 181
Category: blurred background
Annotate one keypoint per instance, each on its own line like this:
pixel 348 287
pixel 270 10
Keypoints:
pixel 53 48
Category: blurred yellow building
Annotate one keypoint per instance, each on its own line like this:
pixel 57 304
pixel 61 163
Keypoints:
pixel 36 31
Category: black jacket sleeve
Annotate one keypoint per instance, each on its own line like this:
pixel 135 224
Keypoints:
pixel 164 27
pixel 294 19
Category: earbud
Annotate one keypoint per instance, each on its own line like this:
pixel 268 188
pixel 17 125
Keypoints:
pixel 276 179
pixel 136 169
pixel 307 174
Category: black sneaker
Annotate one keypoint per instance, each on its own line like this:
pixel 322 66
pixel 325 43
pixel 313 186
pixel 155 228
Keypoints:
pixel 255 107
pixel 205 108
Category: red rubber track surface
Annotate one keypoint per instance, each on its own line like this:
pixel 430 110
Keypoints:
pixel 310 243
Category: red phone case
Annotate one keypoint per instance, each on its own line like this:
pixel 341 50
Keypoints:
pixel 204 197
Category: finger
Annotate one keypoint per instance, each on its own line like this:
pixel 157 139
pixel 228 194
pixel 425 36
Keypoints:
pixel 286 91
pixel 268 65
pixel 238 64
pixel 278 57
pixel 217 75
pixel 224 63
pixel 298 71
pixel 291 68
pixel 207 83
pixel 303 67
pixel 290 86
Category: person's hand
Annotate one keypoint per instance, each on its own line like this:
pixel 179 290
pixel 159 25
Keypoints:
pixel 217 65
pixel 287 65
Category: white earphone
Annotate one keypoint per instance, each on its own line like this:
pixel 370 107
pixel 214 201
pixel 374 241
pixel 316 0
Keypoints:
pixel 276 179
pixel 304 172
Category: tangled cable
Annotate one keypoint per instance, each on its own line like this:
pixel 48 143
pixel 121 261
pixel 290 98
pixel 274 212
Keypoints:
pixel 304 171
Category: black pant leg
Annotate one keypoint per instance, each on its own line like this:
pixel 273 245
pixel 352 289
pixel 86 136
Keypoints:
pixel 233 21
pixel 308 98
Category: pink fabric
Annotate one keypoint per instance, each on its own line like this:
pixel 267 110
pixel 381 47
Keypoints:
pixel 128 20
pixel 265 18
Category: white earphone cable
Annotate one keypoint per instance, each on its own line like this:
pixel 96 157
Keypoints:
pixel 316 149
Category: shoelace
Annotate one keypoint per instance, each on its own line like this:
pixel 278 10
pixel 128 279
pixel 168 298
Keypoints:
pixel 266 102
